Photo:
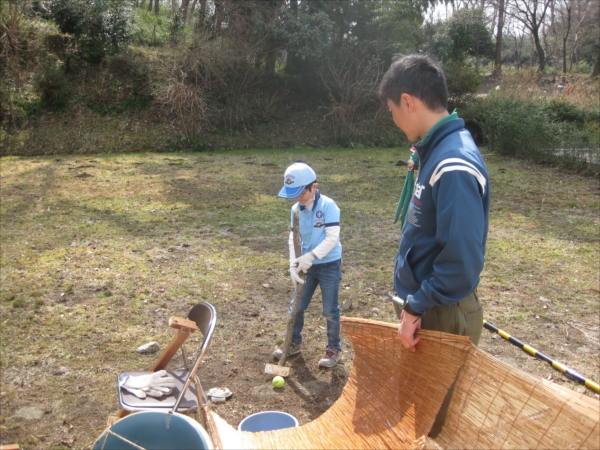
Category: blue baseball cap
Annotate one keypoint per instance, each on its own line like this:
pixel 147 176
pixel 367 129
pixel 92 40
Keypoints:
pixel 296 177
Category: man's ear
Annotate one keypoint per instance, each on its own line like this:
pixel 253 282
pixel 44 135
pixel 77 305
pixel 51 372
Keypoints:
pixel 409 101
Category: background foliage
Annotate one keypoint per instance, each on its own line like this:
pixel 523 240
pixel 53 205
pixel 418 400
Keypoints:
pixel 231 73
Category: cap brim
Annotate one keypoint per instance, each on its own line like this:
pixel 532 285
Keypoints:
pixel 291 192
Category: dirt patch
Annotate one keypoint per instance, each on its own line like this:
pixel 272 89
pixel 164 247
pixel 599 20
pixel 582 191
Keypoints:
pixel 92 268
pixel 256 322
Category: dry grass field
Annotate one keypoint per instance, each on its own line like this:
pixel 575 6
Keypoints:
pixel 99 251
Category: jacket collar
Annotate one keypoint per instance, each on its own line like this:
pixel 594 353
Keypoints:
pixel 437 133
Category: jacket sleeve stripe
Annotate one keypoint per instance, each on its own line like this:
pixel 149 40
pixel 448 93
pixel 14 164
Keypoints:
pixel 466 167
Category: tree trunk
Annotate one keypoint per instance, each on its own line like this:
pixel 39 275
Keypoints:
pixel 539 49
pixel 532 13
pixel 217 16
pixel 498 58
pixel 192 9
pixel 150 5
pixel 270 61
pixel 200 22
pixel 156 6
pixel 573 51
pixel 596 70
pixel 565 36
pixel 183 10
pixel 292 62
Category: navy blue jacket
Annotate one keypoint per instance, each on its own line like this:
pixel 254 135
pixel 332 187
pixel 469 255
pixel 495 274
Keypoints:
pixel 443 240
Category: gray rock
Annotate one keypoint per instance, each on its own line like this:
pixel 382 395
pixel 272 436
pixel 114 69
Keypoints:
pixel 150 347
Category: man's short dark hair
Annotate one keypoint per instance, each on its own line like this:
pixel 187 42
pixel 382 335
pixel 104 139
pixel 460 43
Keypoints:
pixel 416 75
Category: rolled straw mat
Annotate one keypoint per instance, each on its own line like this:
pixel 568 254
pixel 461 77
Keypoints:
pixel 393 395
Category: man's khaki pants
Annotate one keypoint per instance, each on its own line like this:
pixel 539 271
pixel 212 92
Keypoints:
pixel 464 318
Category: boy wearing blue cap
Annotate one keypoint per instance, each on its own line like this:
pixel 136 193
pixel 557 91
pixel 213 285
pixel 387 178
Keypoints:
pixel 321 257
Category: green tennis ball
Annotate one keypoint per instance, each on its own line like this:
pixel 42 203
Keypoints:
pixel 278 382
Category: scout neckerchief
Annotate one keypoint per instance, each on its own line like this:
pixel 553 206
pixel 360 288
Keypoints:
pixel 409 183
pixel 407 189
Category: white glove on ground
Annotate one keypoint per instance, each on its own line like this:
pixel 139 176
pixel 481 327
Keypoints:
pixel 304 262
pixel 155 384
pixel 295 277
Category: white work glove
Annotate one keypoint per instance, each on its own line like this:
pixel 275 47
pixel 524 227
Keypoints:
pixel 295 277
pixel 155 384
pixel 304 262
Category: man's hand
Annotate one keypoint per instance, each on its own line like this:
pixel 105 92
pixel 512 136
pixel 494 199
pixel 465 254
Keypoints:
pixel 295 277
pixel 409 325
pixel 304 262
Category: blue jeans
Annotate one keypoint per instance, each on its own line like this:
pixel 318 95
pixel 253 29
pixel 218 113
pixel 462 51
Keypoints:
pixel 328 276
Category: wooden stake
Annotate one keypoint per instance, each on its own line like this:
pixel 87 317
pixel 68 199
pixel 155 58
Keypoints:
pixel 280 369
pixel 297 293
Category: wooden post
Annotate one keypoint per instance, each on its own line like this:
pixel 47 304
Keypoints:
pixel 297 293
pixel 184 328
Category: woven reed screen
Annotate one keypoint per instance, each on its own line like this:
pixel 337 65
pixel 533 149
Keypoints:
pixel 393 395
pixel 497 406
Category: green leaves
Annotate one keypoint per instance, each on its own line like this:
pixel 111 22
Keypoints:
pixel 98 27
pixel 470 35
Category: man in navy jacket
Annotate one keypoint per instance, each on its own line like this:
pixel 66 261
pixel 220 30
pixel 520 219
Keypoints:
pixel 442 248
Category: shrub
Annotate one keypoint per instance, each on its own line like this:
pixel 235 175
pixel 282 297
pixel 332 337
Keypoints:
pixel 27 43
pixel 121 82
pixel 469 35
pixel 99 27
pixel 52 84
pixel 562 111
pixel 150 29
pixel 525 128
pixel 462 82
pixel 518 128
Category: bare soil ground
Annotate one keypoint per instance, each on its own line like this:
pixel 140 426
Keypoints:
pixel 99 251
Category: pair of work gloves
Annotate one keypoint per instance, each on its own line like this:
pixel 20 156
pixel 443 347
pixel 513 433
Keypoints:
pixel 156 384
pixel 301 264
pixel 304 262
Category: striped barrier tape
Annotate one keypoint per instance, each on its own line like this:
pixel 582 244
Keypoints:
pixel 398 303
pixel 532 351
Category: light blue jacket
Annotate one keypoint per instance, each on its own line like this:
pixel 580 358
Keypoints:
pixel 325 213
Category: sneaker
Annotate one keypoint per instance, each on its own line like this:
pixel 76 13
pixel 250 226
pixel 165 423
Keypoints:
pixel 331 358
pixel 294 350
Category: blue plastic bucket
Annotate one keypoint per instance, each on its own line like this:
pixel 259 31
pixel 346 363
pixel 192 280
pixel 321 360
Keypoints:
pixel 267 421
pixel 155 430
